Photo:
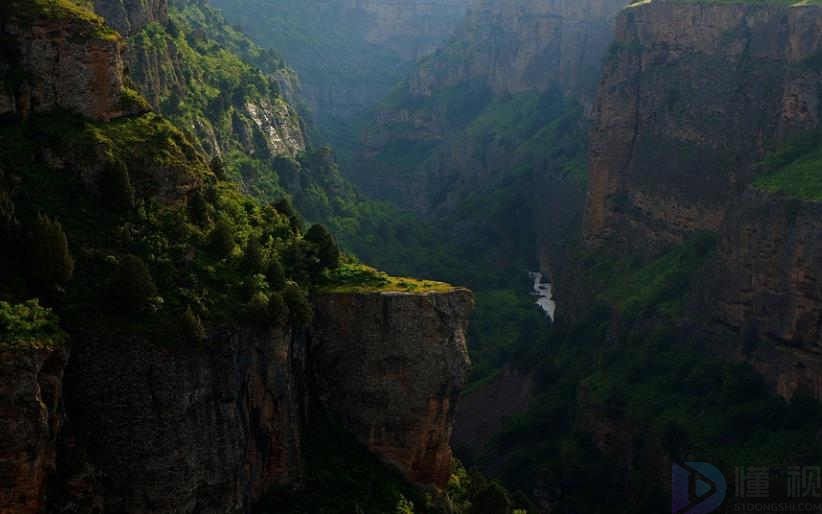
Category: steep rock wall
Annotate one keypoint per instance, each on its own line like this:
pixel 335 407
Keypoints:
pixel 30 419
pixel 46 66
pixel 167 427
pixel 516 46
pixel 691 98
pixel 763 291
pixel 130 16
pixel 390 367
pixel 174 429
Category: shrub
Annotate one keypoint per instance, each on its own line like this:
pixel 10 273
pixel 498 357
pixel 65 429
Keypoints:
pixel 277 309
pixel 198 209
pixel 221 239
pixel 327 250
pixel 131 287
pixel 301 312
pixel 29 324
pixel 258 308
pixel 218 167
pixel 285 208
pixel 115 187
pixel 275 274
pixel 192 326
pixel 49 256
pixel 253 259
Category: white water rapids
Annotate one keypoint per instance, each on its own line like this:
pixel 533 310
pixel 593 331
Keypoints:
pixel 545 298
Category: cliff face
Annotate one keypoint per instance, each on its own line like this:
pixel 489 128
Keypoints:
pixel 130 16
pixel 411 29
pixel 692 96
pixel 206 429
pixel 45 66
pixel 349 53
pixel 390 367
pixel 765 291
pixel 31 413
pixel 210 429
pixel 202 79
pixel 514 46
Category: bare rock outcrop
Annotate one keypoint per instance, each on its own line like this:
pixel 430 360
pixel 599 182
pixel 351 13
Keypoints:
pixel 31 389
pixel 693 95
pixel 390 367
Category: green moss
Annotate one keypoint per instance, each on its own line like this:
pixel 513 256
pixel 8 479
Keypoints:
pixel 359 278
pixel 29 10
pixel 797 170
pixel 657 285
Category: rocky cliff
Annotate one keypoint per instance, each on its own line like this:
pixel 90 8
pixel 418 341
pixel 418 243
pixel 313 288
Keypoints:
pixel 170 429
pixel 349 53
pixel 31 389
pixel 390 367
pixel 692 96
pixel 201 73
pixel 211 429
pixel 764 292
pixel 468 110
pixel 45 66
pixel 189 386
pixel 514 46
pixel 130 16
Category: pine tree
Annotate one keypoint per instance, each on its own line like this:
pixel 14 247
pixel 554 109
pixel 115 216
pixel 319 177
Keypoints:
pixel 192 326
pixel 51 262
pixel 198 209
pixel 221 240
pixel 253 259
pixel 298 305
pixel 275 274
pixel 132 286
pixel 277 309
pixel 115 187
pixel 327 250
pixel 285 208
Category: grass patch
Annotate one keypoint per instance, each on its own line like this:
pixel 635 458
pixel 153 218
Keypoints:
pixel 29 10
pixel 797 170
pixel 359 278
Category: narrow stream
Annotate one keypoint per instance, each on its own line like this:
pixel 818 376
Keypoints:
pixel 542 290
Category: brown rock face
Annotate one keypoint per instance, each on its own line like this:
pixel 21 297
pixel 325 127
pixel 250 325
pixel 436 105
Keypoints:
pixel 178 430
pixel 764 295
pixel 30 419
pixel 48 66
pixel 390 367
pixel 130 16
pixel 515 46
pixel 692 96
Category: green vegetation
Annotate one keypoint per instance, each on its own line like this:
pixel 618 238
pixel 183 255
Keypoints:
pixel 190 247
pixel 90 24
pixel 29 326
pixel 49 257
pixel 795 169
pixel 352 277
pixel 342 476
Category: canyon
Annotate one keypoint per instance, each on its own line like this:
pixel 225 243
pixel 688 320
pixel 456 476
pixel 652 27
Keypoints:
pixel 113 420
